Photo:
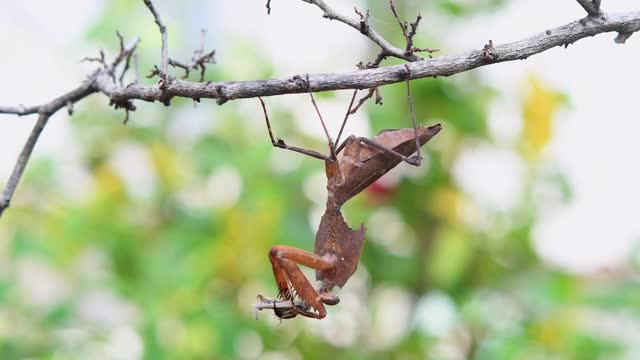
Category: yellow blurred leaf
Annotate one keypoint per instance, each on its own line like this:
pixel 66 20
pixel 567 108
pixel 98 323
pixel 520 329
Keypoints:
pixel 552 332
pixel 243 244
pixel 444 204
pixel 108 184
pixel 450 257
pixel 538 107
pixel 202 340
pixel 165 164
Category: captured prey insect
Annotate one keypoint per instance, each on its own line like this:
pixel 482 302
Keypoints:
pixel 337 247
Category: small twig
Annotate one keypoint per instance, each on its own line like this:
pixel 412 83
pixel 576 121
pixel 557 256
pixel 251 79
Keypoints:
pixel 622 37
pixel 412 33
pixel 153 72
pixel 372 64
pixel 95 59
pixel 364 20
pixel 164 60
pixel 268 7
pixel 592 7
pixel 126 117
pixel 19 110
pixel 196 63
pixel 427 50
pixel 22 161
pixel 136 67
pixel 369 32
pixel 409 31
pixel 186 68
pixel 121 40
pixel 378 96
pixel 125 69
pixel 123 53
pixel 403 24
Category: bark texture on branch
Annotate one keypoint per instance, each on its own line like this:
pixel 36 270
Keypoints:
pixel 623 23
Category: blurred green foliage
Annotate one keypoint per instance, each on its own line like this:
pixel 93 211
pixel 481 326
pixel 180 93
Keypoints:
pixel 165 266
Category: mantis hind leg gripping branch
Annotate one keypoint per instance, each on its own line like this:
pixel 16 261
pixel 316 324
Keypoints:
pixel 337 247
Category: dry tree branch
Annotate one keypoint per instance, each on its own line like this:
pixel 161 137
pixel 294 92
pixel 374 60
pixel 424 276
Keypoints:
pixel 622 23
pixel 46 110
pixel 104 80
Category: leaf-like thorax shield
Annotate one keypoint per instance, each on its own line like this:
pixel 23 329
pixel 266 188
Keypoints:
pixel 335 237
pixel 361 164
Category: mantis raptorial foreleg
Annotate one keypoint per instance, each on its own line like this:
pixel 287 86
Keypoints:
pixel 292 282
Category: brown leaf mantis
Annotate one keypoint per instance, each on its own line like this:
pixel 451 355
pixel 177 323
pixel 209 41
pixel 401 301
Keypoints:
pixel 337 247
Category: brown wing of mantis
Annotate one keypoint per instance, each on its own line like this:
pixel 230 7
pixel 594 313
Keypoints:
pixel 366 160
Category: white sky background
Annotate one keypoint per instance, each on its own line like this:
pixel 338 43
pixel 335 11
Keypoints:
pixel 594 139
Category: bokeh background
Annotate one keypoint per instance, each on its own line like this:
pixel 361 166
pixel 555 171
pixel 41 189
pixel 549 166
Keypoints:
pixel 517 238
